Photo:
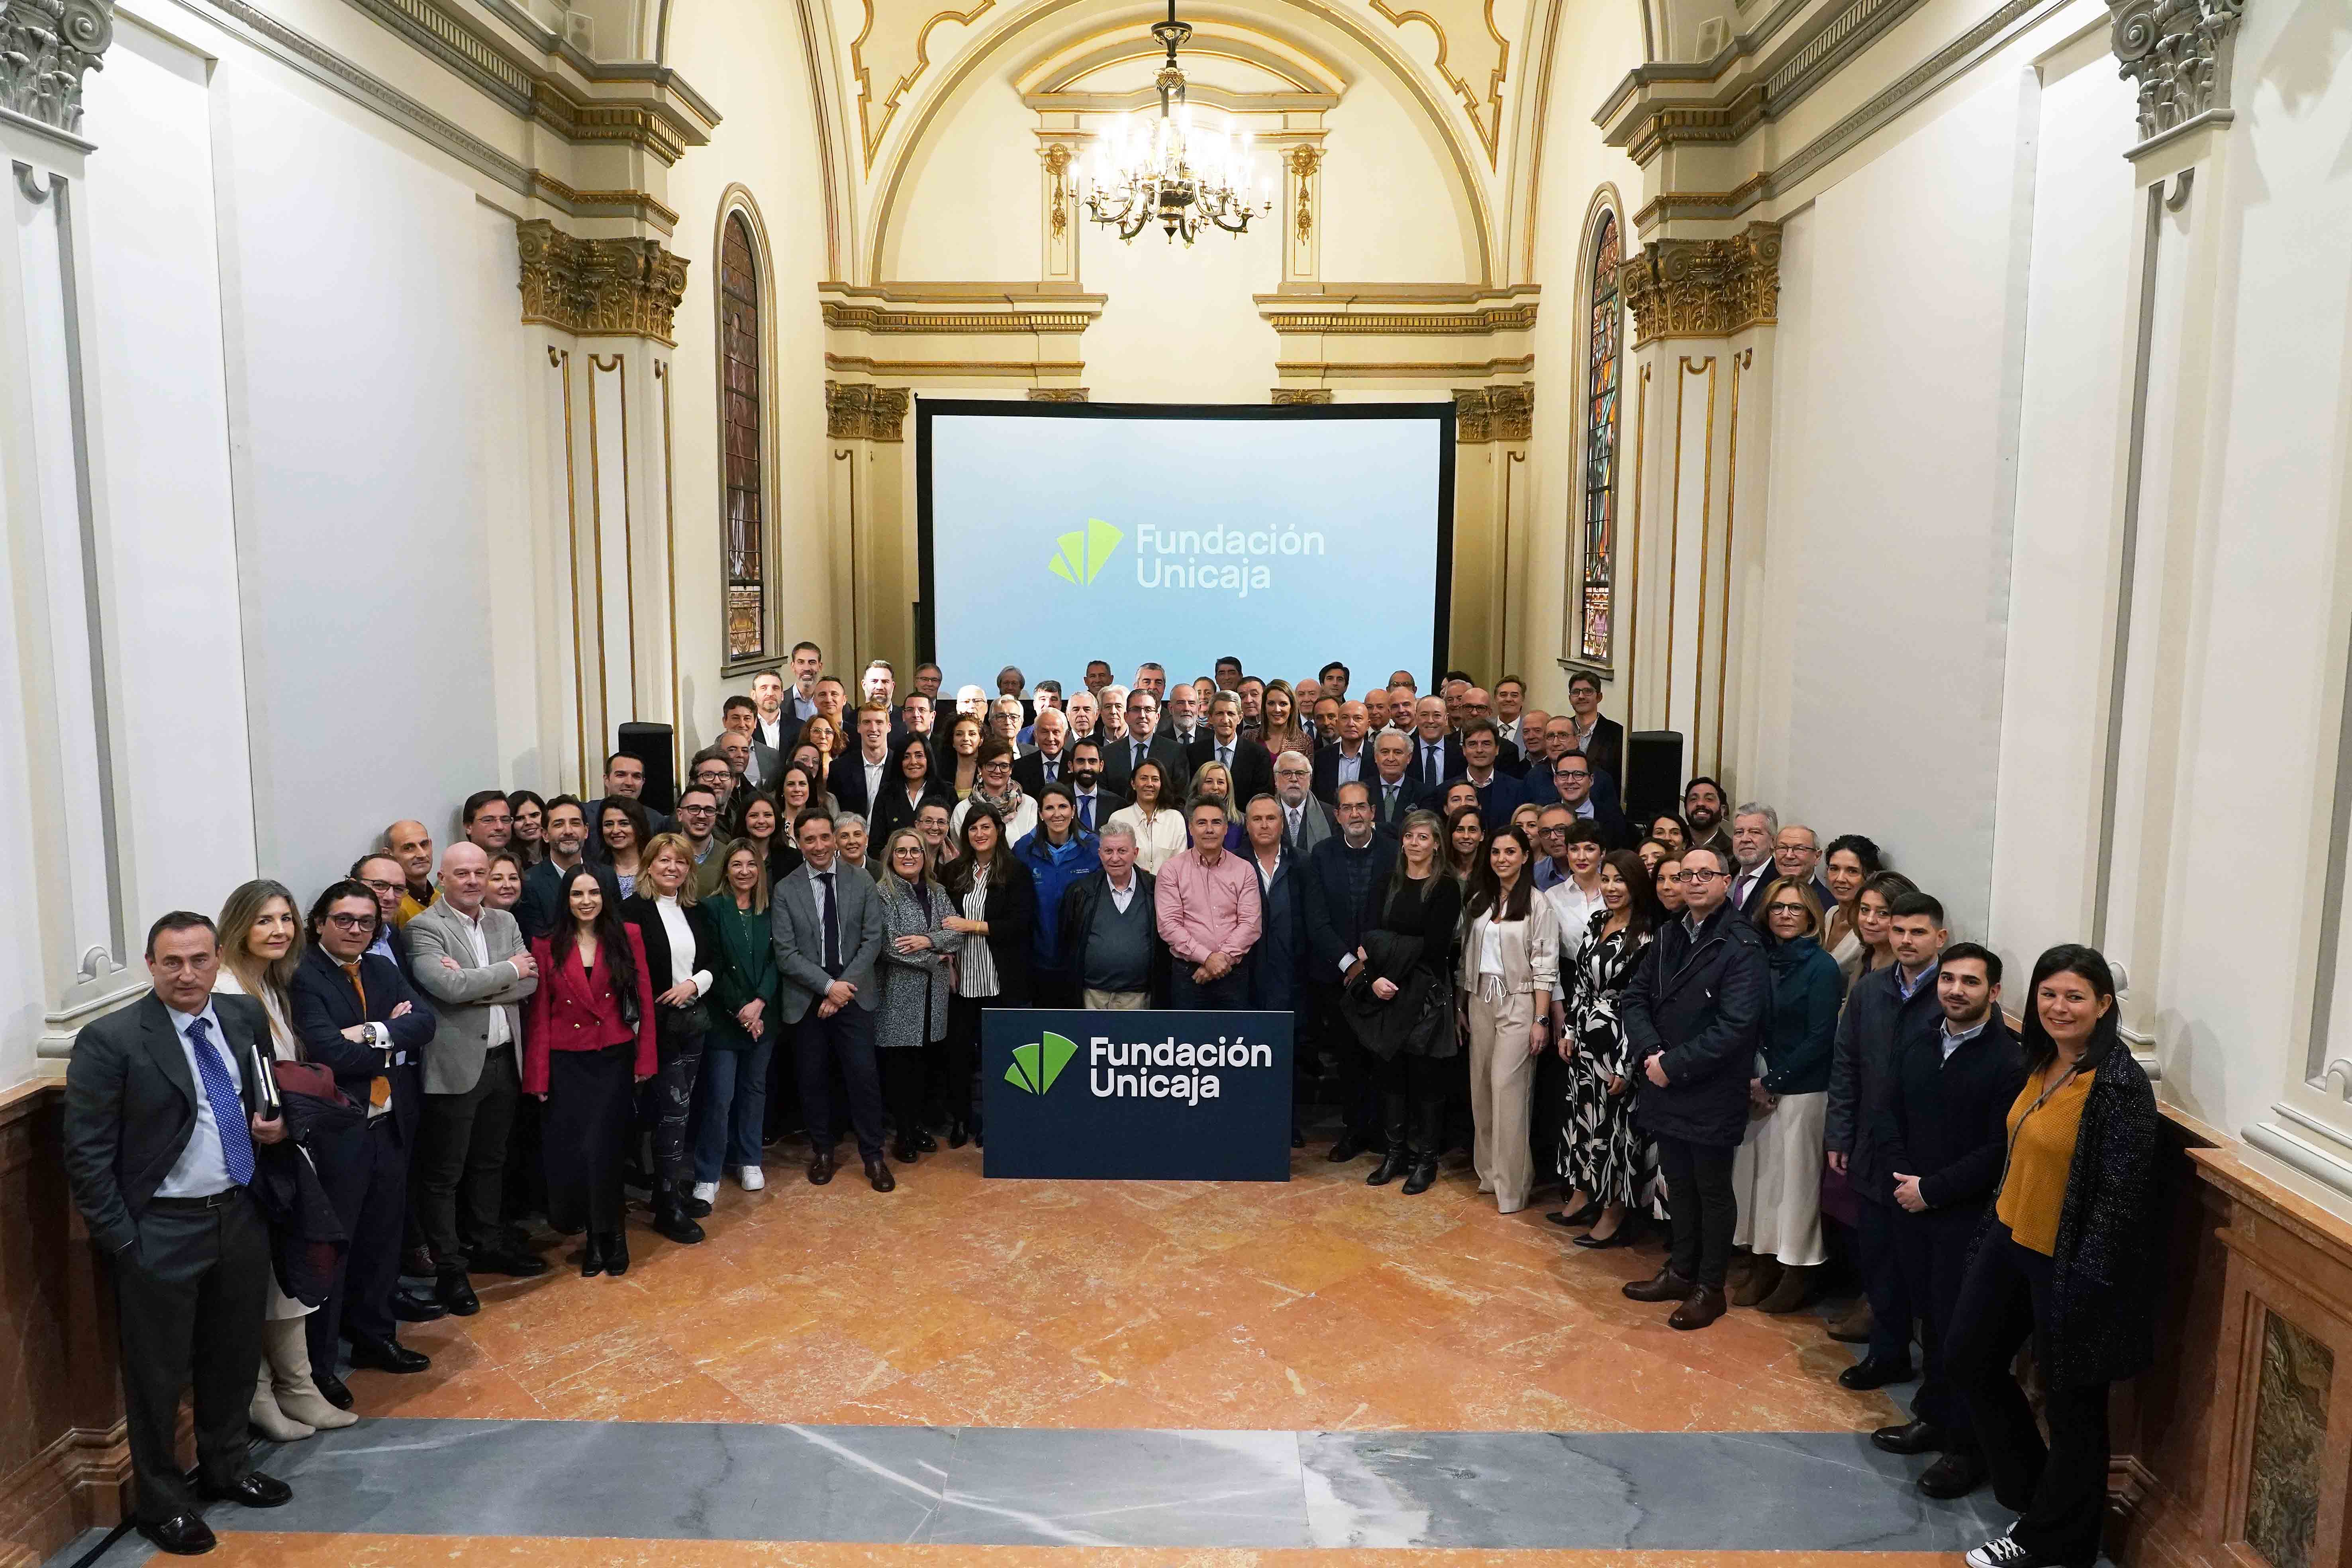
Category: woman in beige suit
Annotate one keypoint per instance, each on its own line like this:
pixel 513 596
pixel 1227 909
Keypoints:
pixel 1510 967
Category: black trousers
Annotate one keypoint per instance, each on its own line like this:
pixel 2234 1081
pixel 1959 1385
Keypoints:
pixel 1883 1283
pixel 1933 1250
pixel 1414 1092
pixel 847 1039
pixel 461 1160
pixel 1706 1212
pixel 2058 1489
pixel 367 1181
pixel 190 1296
pixel 1226 996
pixel 585 1134
pixel 666 1100
pixel 1357 1068
pixel 906 1075
pixel 959 1055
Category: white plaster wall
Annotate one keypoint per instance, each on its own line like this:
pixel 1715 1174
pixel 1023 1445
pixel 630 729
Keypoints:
pixel 969 201
pixel 352 283
pixel 1391 212
pixel 163 407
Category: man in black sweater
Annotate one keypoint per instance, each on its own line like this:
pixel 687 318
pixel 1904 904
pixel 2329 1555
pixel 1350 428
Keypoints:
pixel 1344 873
pixel 1941 1130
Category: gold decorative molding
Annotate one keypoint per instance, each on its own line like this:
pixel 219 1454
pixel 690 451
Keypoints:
pixel 1304 159
pixel 1434 369
pixel 1057 394
pixel 840 317
pixel 1057 158
pixel 854 411
pixel 875 110
pixel 599 287
pixel 632 124
pixel 1484 414
pixel 1668 205
pixel 1024 369
pixel 1704 288
pixel 1467 324
pixel 635 205
pixel 1701 127
pixel 1284 397
pixel 1490 55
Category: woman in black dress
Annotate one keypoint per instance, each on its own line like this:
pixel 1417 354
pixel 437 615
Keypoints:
pixel 1399 1000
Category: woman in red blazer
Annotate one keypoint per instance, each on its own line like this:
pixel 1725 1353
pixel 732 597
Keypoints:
pixel 587 1039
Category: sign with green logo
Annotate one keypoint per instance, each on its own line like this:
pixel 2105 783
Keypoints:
pixel 1084 551
pixel 1036 1065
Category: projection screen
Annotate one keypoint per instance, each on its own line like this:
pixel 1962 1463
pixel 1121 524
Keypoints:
pixel 1052 534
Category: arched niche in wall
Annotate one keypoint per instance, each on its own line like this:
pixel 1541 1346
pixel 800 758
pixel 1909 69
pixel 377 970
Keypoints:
pixel 744 353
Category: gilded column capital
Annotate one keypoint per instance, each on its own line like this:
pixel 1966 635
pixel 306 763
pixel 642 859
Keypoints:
pixel 2178 53
pixel 1704 288
pixel 854 411
pixel 1502 413
pixel 599 287
pixel 45 48
pixel 1302 397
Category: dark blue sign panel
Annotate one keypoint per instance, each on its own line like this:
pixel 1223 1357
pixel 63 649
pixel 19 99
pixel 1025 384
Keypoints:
pixel 1159 1097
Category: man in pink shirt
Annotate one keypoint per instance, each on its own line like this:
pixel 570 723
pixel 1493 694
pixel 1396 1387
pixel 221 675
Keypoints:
pixel 1209 916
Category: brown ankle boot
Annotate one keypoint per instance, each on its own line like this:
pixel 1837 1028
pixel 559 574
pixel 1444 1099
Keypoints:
pixel 1796 1285
pixel 1761 1281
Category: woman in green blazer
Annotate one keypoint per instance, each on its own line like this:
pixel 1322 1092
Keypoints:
pixel 743 1028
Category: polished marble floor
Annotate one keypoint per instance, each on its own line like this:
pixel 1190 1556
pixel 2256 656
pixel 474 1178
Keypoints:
pixel 1097 1374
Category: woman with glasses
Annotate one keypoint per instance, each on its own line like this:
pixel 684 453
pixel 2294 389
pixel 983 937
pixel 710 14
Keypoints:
pixel 912 1022
pixel 1604 1159
pixel 1777 1173
pixel 825 735
pixel 1016 812
pixel 1158 825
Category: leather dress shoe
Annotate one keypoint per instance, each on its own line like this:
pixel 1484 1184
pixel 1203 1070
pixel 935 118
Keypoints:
pixel 957 1134
pixel 1582 1216
pixel 182 1535
pixel 513 1264
pixel 924 1142
pixel 388 1355
pixel 417 1262
pixel 819 1170
pixel 411 1308
pixel 1346 1148
pixel 878 1172
pixel 330 1389
pixel 696 1208
pixel 456 1294
pixel 1703 1306
pixel 1865 1376
pixel 254 1489
pixel 1665 1285
pixel 903 1151
pixel 1627 1232
pixel 1953 1475
pixel 1911 1437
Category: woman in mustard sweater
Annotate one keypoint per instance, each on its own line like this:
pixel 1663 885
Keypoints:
pixel 2068 1258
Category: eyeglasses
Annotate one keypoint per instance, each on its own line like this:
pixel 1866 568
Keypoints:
pixel 1697 876
pixel 1787 909
pixel 383 887
pixel 352 923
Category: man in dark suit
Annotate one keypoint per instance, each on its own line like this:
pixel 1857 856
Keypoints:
pixel 1343 875
pixel 1694 1015
pixel 1223 742
pixel 1345 755
pixel 1754 827
pixel 1305 821
pixel 1050 761
pixel 1092 803
pixel 1600 739
pixel 862 772
pixel 1478 705
pixel 1944 1127
pixel 160 1130
pixel 1434 757
pixel 1797 855
pixel 567 837
pixel 1886 1010
pixel 827 927
pixel 1499 793
pixel 1143 740
pixel 357 1015
pixel 624 776
pixel 1574 786
pixel 1392 788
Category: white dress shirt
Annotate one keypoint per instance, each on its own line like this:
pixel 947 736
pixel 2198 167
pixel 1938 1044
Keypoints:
pixel 1122 897
pixel 202 1169
pixel 500 1034
pixel 682 955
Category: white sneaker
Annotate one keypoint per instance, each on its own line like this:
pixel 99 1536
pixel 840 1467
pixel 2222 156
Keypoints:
pixel 2003 1552
pixel 705 1192
pixel 753 1177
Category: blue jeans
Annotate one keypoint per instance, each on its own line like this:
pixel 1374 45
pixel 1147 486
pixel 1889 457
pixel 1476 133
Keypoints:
pixel 732 1105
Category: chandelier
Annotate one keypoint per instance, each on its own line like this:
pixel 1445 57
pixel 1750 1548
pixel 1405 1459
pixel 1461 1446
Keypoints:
pixel 1168 174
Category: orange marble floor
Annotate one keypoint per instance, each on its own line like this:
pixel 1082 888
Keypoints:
pixel 1321 1304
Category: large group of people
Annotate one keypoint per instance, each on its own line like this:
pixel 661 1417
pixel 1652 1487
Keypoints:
pixel 1692 1018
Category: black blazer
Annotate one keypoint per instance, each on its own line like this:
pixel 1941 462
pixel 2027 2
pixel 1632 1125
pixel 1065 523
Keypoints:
pixel 1253 768
pixel 1874 1032
pixel 1506 756
pixel 130 1106
pixel 324 1005
pixel 1011 910
pixel 1029 771
pixel 1947 1121
pixel 640 912
pixel 895 812
pixel 1326 772
pixel 1605 749
pixel 1409 797
pixel 1176 769
pixel 845 780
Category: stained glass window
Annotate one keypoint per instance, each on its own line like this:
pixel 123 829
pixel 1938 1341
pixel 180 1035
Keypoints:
pixel 739 350
pixel 1604 363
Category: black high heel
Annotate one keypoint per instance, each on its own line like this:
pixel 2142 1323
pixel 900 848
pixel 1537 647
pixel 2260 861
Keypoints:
pixel 957 1134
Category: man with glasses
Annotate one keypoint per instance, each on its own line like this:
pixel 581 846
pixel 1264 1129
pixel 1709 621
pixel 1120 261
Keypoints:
pixel 1601 739
pixel 356 1015
pixel 1694 1015
pixel 384 877
pixel 1551 866
pixel 698 823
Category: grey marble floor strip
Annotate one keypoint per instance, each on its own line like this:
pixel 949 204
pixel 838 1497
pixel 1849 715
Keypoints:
pixel 987 1485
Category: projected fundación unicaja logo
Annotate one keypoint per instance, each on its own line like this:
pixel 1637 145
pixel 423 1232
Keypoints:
pixel 1133 1069
pixel 1193 560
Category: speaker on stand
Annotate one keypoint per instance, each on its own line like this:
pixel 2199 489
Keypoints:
pixel 651 745
pixel 1653 774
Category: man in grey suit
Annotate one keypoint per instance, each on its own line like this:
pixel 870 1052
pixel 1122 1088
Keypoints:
pixel 470 962
pixel 827 931
pixel 1305 821
pixel 159 1133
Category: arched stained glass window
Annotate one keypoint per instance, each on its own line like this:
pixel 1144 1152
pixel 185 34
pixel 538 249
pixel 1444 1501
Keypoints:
pixel 738 441
pixel 1604 358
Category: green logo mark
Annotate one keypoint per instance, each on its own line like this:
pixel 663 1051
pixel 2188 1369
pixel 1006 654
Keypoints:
pixel 1036 1065
pixel 1084 551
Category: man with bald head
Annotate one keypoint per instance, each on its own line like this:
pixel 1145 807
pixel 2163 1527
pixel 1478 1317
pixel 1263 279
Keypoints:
pixel 1797 855
pixel 1048 762
pixel 471 963
pixel 410 846
pixel 1435 757
pixel 1346 754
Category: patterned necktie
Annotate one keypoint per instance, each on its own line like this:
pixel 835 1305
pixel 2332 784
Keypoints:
pixel 379 1090
pixel 1224 756
pixel 228 1108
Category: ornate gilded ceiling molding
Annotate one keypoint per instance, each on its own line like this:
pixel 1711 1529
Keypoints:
pixel 854 411
pixel 2177 51
pixel 840 317
pixel 45 48
pixel 1467 324
pixel 1704 288
pixel 898 50
pixel 637 206
pixel 598 287
pixel 1488 56
pixel 1287 395
pixel 1057 394
pixel 579 121
pixel 1484 414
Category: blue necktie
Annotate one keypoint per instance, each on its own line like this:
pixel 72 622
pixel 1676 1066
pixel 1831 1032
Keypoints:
pixel 1086 813
pixel 228 1109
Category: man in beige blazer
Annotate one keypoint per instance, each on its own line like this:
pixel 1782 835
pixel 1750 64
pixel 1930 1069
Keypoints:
pixel 470 962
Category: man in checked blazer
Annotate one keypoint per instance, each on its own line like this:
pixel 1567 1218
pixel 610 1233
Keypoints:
pixel 827 930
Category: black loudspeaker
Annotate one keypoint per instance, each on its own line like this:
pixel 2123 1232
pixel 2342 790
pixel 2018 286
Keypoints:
pixel 651 745
pixel 1653 774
